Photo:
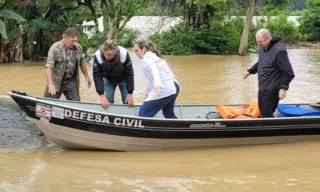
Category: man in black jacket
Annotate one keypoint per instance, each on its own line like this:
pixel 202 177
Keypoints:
pixel 112 67
pixel 274 72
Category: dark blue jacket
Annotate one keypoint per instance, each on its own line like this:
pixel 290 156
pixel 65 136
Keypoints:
pixel 273 67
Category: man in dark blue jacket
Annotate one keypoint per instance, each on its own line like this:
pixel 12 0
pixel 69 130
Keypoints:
pixel 112 67
pixel 274 72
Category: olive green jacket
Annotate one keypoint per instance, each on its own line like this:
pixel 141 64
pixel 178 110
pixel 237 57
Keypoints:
pixel 57 62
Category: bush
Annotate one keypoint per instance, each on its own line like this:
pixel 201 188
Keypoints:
pixel 126 37
pixel 89 45
pixel 177 41
pixel 310 21
pixel 223 37
pixel 278 26
pixel 281 27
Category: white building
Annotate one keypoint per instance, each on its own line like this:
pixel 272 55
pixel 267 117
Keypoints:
pixel 145 25
pixel 148 25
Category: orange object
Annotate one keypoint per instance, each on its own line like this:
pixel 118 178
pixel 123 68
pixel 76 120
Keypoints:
pixel 251 110
pixel 227 112
pixel 247 111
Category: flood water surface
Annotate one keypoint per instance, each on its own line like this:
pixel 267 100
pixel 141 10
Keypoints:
pixel 28 163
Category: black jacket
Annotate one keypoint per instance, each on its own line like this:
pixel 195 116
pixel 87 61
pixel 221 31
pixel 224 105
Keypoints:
pixel 114 70
pixel 273 67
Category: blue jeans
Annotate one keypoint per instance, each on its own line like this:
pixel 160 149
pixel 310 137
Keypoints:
pixel 110 88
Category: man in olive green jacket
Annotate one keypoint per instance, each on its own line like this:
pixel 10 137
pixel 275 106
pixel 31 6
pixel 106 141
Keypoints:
pixel 63 63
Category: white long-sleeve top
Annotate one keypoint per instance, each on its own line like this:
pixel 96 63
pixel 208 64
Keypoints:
pixel 158 73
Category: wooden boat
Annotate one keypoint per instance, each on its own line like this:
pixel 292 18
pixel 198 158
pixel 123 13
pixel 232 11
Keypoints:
pixel 80 125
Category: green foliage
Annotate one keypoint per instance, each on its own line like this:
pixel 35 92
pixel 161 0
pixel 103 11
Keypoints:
pixel 43 24
pixel 216 3
pixel 310 21
pixel 278 26
pixel 46 22
pixel 281 27
pixel 179 40
pixel 73 16
pixel 3 30
pixel 271 5
pixel 13 31
pixel 94 41
pixel 126 37
pixel 296 13
pixel 117 13
pixel 39 36
pixel 223 37
pixel 8 16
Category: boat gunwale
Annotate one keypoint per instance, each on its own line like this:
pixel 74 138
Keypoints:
pixel 47 101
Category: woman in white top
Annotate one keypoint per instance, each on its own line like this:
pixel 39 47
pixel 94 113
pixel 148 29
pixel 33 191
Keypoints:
pixel 162 88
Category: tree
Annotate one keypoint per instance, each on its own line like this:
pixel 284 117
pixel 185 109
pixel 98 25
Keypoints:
pixel 310 21
pixel 10 22
pixel 41 27
pixel 245 32
pixel 46 21
pixel 265 7
pixel 95 9
pixel 197 13
pixel 116 14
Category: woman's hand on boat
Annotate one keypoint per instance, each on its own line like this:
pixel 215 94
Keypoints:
pixel 282 94
pixel 104 101
pixel 158 91
pixel 245 74
pixel 52 89
pixel 129 100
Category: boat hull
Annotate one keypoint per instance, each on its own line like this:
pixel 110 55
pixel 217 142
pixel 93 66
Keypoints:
pixel 78 139
pixel 74 127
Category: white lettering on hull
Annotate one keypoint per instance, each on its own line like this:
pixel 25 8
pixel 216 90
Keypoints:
pixel 207 125
pixel 91 117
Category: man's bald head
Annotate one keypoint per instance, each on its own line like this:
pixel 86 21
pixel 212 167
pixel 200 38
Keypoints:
pixel 263 37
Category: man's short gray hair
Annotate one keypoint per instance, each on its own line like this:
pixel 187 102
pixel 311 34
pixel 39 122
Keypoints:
pixel 266 33
pixel 70 32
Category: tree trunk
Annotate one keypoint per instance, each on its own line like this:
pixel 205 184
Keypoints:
pixel 245 32
pixel 13 50
pixel 51 4
pixel 111 25
pixel 95 15
pixel 110 29
pixel 198 15
pixel 108 26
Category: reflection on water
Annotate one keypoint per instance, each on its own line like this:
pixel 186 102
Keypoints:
pixel 32 164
